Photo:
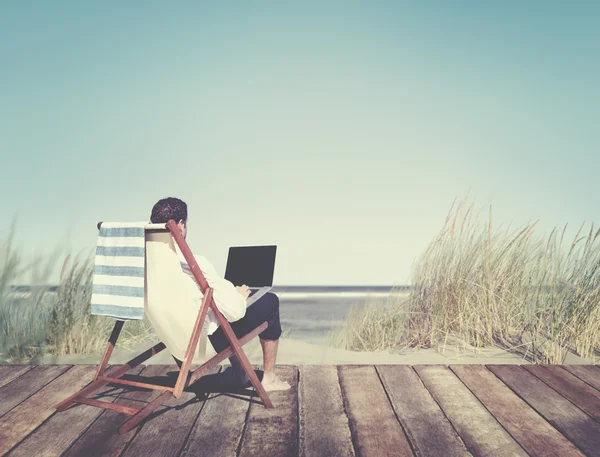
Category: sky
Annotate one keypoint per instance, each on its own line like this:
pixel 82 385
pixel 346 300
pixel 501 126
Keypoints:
pixel 342 132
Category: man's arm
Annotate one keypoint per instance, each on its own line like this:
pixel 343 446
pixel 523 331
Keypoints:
pixel 228 300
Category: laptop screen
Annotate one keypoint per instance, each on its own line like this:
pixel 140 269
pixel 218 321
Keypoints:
pixel 251 265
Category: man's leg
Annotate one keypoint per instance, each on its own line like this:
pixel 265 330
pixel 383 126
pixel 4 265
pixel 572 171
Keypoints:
pixel 270 380
pixel 264 309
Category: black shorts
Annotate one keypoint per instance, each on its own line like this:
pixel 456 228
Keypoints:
pixel 266 308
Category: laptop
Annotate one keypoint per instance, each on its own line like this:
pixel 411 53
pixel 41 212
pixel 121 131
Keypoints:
pixel 253 266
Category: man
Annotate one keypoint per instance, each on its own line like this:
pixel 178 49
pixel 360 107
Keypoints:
pixel 231 302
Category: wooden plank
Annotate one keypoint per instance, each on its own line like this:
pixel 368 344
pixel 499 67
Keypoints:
pixel 23 387
pixel 164 432
pixel 63 428
pixel 220 425
pixel 324 428
pixel 587 373
pixel 576 425
pixel 530 429
pixel 480 431
pixel 585 397
pixel 102 439
pixel 429 431
pixel 26 417
pixel 8 373
pixel 274 431
pixel 373 424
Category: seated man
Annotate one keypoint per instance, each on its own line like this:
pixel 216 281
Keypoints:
pixel 231 302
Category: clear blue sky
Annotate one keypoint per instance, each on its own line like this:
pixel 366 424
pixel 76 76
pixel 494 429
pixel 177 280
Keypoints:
pixel 340 132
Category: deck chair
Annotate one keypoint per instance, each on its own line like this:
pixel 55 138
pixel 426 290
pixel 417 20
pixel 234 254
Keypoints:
pixel 162 284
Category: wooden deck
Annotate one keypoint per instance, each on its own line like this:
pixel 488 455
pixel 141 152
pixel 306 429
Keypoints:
pixel 347 410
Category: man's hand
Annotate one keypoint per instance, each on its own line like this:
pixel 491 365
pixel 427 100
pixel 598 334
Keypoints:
pixel 244 291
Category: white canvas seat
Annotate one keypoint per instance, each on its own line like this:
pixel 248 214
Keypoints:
pixel 169 300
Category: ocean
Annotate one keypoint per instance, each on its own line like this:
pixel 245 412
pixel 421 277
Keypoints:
pixel 308 313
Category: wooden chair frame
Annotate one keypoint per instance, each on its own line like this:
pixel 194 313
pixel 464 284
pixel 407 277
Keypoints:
pixel 185 377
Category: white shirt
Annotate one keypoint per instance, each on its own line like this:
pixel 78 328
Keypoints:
pixel 228 300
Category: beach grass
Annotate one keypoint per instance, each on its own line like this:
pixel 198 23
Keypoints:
pixel 371 326
pixel 40 321
pixel 72 329
pixel 477 287
pixel 22 331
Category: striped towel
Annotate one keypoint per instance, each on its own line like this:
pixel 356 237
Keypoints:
pixel 118 287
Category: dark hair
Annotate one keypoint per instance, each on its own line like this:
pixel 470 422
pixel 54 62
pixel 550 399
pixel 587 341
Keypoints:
pixel 169 208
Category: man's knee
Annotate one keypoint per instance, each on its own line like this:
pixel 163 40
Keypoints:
pixel 270 303
pixel 272 298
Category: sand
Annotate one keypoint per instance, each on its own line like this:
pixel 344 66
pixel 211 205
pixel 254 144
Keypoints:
pixel 296 352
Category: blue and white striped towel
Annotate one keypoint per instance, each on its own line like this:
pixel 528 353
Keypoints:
pixel 118 287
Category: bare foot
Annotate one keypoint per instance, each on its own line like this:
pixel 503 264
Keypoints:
pixel 273 383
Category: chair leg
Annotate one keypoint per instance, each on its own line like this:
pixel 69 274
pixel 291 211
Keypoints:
pixel 95 384
pixel 109 349
pixel 144 412
pixel 70 401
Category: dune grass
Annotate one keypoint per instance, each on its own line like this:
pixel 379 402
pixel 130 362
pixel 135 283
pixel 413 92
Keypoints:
pixel 477 288
pixel 72 329
pixel 22 329
pixel 41 321
pixel 371 326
